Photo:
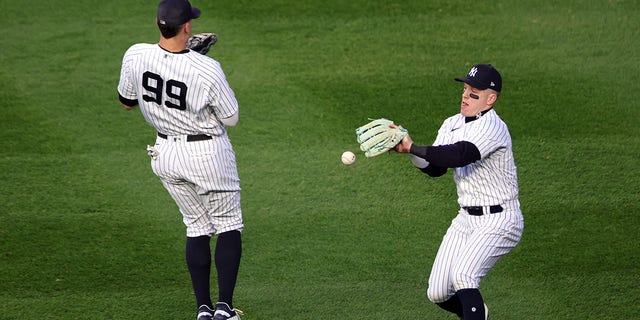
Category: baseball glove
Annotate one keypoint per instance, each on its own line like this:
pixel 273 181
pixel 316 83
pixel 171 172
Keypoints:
pixel 378 137
pixel 202 42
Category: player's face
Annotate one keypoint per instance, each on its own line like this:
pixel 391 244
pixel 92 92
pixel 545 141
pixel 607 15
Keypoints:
pixel 475 100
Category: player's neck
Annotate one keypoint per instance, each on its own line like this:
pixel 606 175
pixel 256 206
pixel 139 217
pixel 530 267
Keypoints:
pixel 175 44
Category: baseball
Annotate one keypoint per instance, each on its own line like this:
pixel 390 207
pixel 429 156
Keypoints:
pixel 348 157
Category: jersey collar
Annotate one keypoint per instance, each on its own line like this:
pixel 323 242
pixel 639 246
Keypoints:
pixel 179 52
pixel 469 119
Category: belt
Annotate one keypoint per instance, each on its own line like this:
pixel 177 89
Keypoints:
pixel 197 137
pixel 478 211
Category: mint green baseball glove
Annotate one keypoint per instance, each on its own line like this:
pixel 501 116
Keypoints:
pixel 377 137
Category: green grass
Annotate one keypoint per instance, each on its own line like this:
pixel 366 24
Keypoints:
pixel 85 226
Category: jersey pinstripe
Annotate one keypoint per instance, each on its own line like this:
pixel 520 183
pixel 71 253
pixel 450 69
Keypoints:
pixel 473 244
pixel 493 179
pixel 202 178
pixel 209 164
pixel 178 93
pixel 185 94
pixel 470 248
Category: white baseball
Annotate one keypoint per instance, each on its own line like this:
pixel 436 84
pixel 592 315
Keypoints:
pixel 348 157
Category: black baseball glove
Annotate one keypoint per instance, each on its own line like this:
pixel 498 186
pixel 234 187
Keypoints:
pixel 202 42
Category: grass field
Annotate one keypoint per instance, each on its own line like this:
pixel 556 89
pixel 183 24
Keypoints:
pixel 87 230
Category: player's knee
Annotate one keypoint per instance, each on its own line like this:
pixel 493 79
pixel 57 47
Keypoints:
pixel 462 280
pixel 437 295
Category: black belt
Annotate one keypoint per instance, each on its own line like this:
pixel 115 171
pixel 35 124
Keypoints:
pixel 478 211
pixel 197 137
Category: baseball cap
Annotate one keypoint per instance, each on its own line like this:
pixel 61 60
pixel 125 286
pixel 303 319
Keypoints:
pixel 174 13
pixel 483 76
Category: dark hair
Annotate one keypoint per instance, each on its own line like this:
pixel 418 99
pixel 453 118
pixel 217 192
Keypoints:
pixel 168 32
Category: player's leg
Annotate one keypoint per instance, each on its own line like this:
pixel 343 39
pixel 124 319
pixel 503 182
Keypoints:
pixel 452 305
pixel 199 230
pixel 198 206
pixel 218 191
pixel 227 259
pixel 473 307
pixel 494 236
pixel 441 290
pixel 226 215
pixel 198 256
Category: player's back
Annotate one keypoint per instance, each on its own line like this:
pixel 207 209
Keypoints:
pixel 179 93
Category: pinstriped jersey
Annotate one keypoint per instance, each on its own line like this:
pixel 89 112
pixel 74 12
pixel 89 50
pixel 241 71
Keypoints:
pixel 178 93
pixel 492 180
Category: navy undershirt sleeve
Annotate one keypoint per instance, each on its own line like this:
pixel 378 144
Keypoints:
pixel 434 171
pixel 454 155
pixel 127 102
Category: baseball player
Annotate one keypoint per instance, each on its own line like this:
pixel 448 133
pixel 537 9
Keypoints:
pixel 185 96
pixel 476 144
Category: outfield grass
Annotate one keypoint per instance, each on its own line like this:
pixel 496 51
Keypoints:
pixel 87 231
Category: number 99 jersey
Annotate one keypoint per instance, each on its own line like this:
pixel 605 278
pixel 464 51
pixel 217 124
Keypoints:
pixel 184 93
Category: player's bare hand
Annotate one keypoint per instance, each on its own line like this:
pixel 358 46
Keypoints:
pixel 405 145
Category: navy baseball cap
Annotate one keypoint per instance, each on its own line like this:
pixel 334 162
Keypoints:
pixel 175 13
pixel 483 76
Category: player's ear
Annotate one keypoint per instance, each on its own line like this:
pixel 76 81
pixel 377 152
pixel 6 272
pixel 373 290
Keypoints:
pixel 186 28
pixel 492 98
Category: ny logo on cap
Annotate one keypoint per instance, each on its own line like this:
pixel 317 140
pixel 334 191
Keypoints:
pixel 473 71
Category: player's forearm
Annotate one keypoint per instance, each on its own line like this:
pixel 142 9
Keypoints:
pixel 454 155
pixel 127 107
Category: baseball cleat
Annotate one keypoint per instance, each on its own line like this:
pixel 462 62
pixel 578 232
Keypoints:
pixel 205 313
pixel 223 312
